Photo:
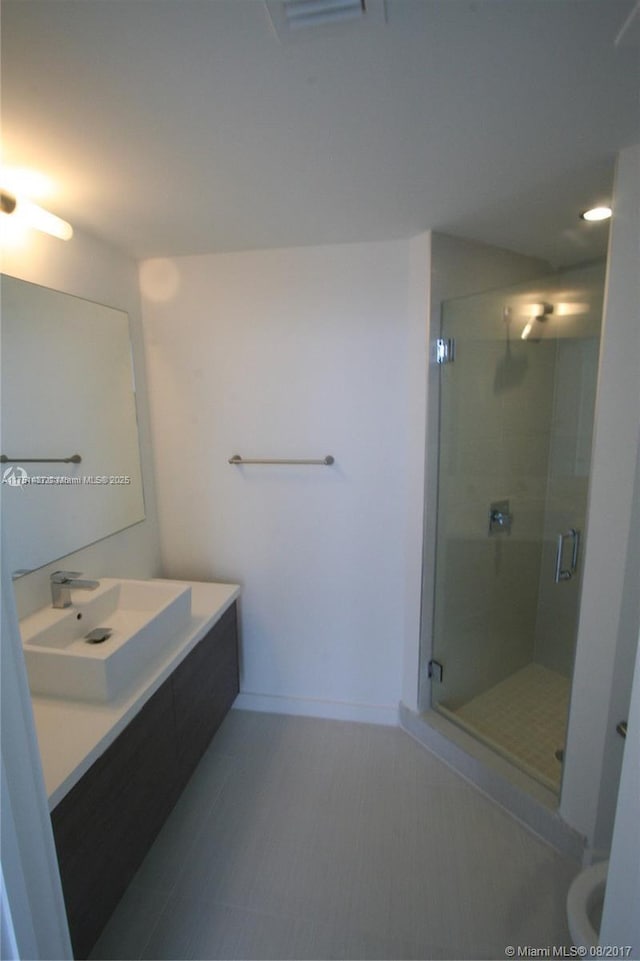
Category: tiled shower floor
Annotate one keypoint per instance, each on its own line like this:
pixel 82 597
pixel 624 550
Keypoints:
pixel 524 718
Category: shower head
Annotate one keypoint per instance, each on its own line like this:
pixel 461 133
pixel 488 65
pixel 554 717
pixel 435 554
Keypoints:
pixel 539 317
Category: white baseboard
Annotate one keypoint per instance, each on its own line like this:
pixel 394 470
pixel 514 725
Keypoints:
pixel 312 707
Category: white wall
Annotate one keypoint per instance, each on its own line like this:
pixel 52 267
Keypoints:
pixel 291 353
pixel 620 917
pixel 418 363
pixel 89 268
pixel 608 626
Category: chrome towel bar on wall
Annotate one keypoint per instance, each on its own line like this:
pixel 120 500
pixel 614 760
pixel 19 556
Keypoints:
pixel 74 459
pixel 237 459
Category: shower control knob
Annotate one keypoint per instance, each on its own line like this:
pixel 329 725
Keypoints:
pixel 500 517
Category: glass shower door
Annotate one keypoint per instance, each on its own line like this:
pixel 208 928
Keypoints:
pixel 516 414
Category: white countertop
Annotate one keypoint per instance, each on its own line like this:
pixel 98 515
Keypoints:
pixel 73 734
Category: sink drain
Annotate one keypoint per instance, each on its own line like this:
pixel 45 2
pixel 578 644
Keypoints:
pixel 98 635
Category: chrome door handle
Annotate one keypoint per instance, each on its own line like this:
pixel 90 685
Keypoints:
pixel 565 574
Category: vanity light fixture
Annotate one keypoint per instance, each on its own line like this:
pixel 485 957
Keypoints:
pixel 7 203
pixel 595 214
pixel 34 216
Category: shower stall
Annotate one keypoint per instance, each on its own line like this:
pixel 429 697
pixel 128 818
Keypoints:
pixel 517 372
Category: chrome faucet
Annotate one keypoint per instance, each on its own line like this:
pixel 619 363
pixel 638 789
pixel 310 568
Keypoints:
pixel 63 582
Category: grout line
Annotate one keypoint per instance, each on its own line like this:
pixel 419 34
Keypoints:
pixel 523 718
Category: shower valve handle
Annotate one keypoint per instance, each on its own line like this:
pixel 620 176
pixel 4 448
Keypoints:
pixel 500 517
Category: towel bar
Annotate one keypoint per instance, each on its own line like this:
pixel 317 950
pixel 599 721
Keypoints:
pixel 74 459
pixel 237 459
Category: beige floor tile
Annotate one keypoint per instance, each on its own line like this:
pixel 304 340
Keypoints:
pixel 304 838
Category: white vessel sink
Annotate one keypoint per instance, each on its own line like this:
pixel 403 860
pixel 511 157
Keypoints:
pixel 144 618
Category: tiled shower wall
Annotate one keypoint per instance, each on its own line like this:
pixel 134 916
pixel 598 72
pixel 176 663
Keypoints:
pixel 495 438
pixel 569 458
pixel 567 490
pixel 516 426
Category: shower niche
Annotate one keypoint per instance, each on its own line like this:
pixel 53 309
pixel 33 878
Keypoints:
pixel 515 427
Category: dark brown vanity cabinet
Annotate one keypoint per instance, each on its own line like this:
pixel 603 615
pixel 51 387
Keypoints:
pixel 202 696
pixel 107 822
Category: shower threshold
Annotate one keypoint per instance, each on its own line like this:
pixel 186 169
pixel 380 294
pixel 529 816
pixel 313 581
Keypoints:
pixel 523 718
pixel 506 783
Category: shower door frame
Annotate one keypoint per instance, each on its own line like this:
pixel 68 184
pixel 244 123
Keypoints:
pixel 425 702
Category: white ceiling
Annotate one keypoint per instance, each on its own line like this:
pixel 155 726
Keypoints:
pixel 185 126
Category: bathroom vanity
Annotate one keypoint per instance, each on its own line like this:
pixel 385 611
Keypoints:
pixel 114 771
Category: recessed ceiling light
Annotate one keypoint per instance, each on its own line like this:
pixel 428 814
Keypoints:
pixel 596 213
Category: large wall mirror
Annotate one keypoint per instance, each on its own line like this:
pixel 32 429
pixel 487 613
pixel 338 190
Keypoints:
pixel 68 391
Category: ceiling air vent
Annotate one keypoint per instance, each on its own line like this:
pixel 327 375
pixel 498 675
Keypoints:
pixel 293 18
pixel 310 13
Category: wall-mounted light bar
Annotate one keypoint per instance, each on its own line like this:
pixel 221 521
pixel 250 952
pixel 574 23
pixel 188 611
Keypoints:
pixel 34 216
pixel 7 203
